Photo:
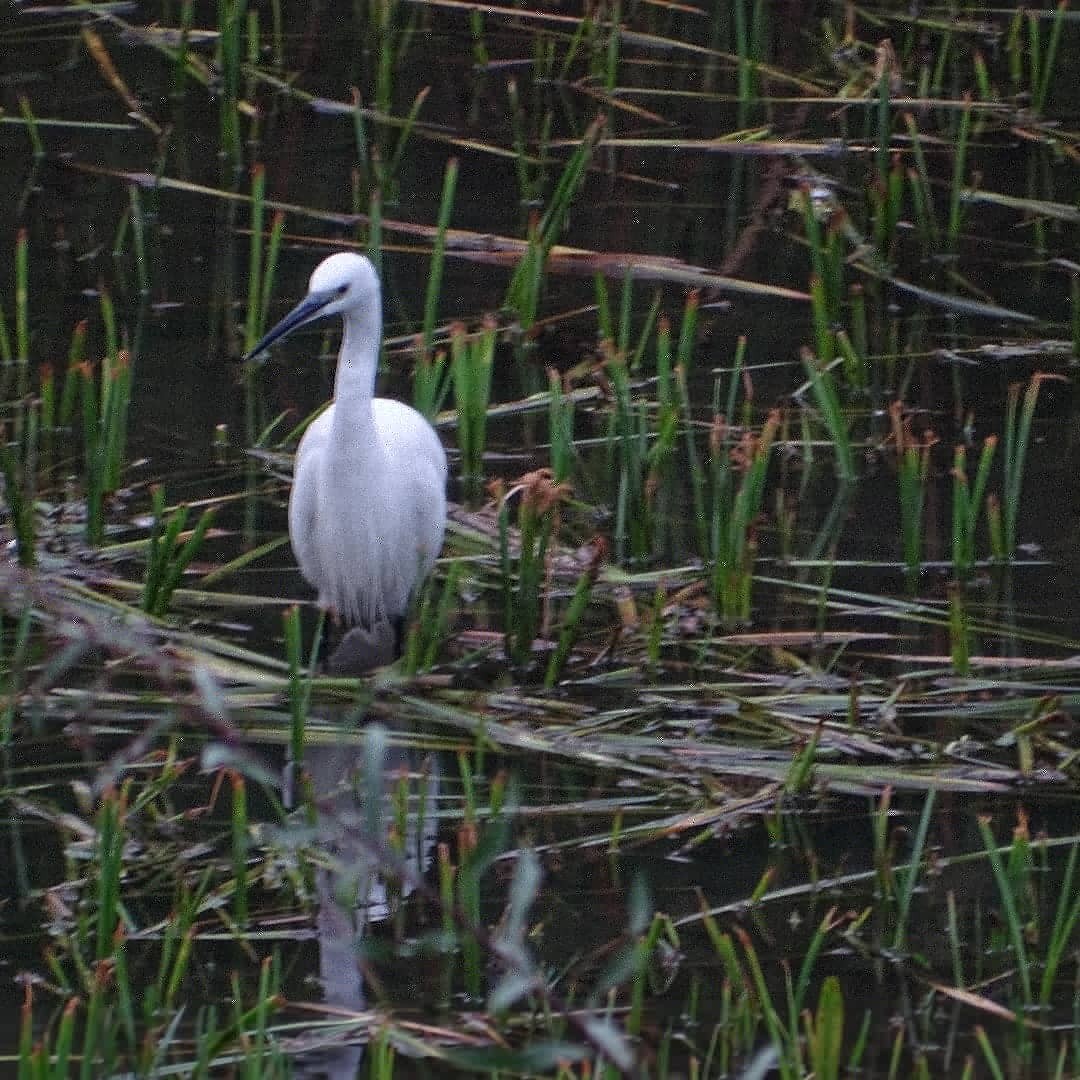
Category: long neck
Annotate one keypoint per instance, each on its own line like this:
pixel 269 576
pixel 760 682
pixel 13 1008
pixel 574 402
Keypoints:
pixel 354 385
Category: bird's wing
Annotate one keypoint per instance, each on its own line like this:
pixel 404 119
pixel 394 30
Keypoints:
pixel 417 461
pixel 304 497
pixel 407 436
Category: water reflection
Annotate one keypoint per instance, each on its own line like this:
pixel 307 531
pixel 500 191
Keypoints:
pixel 353 782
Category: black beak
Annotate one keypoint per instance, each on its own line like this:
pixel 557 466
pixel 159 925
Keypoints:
pixel 308 310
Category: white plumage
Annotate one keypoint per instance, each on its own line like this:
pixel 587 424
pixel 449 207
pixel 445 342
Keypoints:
pixel 367 511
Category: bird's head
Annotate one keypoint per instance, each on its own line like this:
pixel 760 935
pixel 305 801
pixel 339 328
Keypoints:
pixel 342 284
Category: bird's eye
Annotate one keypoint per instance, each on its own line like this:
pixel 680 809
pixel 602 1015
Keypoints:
pixel 341 290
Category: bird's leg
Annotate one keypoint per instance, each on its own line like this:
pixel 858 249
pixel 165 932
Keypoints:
pixel 361 649
pixel 399 627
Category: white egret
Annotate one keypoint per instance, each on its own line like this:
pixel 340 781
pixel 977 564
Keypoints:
pixel 367 511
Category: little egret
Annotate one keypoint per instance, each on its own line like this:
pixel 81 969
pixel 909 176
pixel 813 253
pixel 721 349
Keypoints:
pixel 368 505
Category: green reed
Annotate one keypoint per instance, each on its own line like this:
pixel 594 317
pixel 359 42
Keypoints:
pixel 751 35
pixel 178 81
pixel 94 453
pixel 539 500
pixel 231 21
pixel 37 147
pixel 22 311
pixel 169 553
pixel 956 189
pixel 531 170
pixel 240 846
pixel 643 436
pixel 19 493
pixel 299 688
pixel 471 362
pixel 912 473
pixel 560 428
pixel 114 1025
pixel 14 380
pixel 884 124
pixel 391 46
pixel 523 292
pixel 48 1056
pixel 628 434
pixel 908 878
pixel 959 630
pixel 378 166
pixel 14 660
pixel 825 242
pixel 922 191
pixel 260 287
pixel 831 413
pixel 429 623
pixel 886 202
pixel 1017 440
pixel 571 623
pixel 1062 930
pixel 968 503
pixel 435 267
pixel 1016 926
pixel 1043 66
pixel 737 474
